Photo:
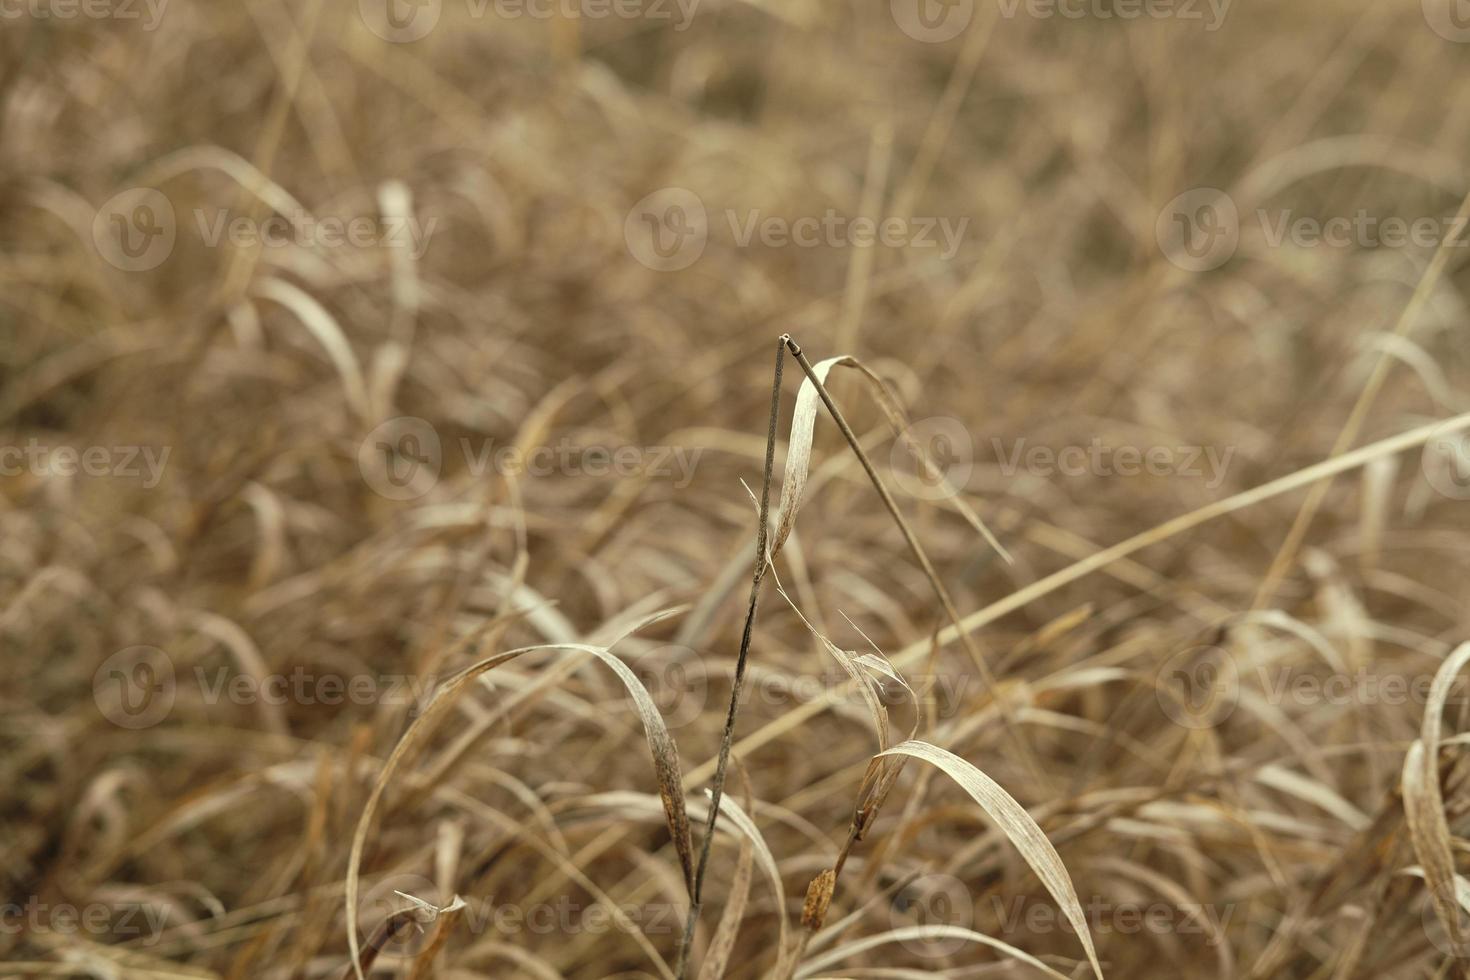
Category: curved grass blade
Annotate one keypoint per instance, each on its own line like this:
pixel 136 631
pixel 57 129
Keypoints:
pixel 1016 824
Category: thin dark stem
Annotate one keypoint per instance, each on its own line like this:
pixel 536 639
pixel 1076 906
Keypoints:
pixel 717 788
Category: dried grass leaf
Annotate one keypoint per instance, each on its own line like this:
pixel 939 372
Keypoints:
pixel 660 743
pixel 733 812
pixel 1429 831
pixel 1311 791
pixel 799 450
pixel 848 662
pixel 1016 824
pixel 699 810
pixel 912 933
pixel 720 948
pixel 325 330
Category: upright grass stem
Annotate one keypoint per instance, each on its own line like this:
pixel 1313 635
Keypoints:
pixel 717 787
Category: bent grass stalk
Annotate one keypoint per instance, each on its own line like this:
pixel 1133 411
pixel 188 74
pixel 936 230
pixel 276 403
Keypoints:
pixel 1028 757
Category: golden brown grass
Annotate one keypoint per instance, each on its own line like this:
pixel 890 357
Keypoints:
pixel 976 716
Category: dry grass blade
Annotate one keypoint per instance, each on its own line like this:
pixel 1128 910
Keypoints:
pixel 853 667
pixel 1429 830
pixel 665 761
pixel 741 825
pixel 1304 477
pixel 1310 790
pixel 1017 825
pixel 328 333
pixel 405 922
pixel 920 933
pixel 1012 727
pixel 799 448
pixel 1423 290
pixel 723 943
pixel 423 964
pixel 1429 834
pixel 665 757
pixel 747 827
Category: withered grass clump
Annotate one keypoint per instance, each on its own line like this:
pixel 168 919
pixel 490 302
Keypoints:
pixel 373 610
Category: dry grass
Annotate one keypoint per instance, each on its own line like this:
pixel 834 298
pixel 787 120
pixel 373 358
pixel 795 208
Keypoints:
pixel 269 713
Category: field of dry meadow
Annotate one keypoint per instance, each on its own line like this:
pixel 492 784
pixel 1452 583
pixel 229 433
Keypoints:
pixel 395 396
